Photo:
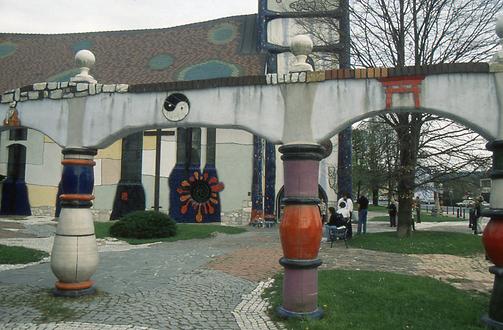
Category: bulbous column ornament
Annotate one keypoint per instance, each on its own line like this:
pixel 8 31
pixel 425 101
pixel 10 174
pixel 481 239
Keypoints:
pixel 301 46
pixel 84 59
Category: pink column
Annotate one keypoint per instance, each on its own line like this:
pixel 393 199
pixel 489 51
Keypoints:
pixel 301 231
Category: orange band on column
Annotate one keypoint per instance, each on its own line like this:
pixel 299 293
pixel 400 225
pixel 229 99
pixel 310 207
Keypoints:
pixel 81 162
pixel 74 286
pixel 77 197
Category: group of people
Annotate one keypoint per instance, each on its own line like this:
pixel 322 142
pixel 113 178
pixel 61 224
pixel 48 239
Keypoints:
pixel 343 215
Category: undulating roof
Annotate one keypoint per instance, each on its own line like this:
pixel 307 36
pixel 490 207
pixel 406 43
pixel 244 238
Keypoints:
pixel 218 48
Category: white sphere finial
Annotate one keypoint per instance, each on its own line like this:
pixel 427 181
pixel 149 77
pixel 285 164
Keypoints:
pixel 301 46
pixel 85 61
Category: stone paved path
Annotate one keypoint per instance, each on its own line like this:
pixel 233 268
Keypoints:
pixel 198 284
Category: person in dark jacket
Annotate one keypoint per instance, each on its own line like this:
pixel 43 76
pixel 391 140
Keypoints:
pixel 363 205
pixel 392 213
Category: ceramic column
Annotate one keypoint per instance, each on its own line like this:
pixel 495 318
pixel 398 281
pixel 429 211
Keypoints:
pixel 493 237
pixel 300 231
pixel 74 256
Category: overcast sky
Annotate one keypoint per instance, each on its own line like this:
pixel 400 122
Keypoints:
pixel 63 16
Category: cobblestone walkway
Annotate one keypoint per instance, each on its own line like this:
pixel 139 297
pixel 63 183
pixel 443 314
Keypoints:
pixel 198 284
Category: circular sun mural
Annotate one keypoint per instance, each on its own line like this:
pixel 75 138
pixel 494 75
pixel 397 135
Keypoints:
pixel 7 48
pixel 199 192
pixel 222 33
pixel 209 70
pixel 160 62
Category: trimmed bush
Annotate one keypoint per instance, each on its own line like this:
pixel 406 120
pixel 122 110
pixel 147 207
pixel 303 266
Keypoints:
pixel 144 224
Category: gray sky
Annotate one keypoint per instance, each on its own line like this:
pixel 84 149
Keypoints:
pixel 63 16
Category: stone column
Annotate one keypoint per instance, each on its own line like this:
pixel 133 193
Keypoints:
pixel 300 231
pixel 74 256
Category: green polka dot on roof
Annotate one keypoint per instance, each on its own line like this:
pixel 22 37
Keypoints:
pixel 160 62
pixel 7 48
pixel 209 70
pixel 82 44
pixel 222 33
pixel 64 76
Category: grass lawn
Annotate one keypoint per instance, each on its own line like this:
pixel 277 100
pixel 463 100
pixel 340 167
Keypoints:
pixel 421 242
pixel 376 208
pixel 377 300
pixel 184 231
pixel 424 218
pixel 19 255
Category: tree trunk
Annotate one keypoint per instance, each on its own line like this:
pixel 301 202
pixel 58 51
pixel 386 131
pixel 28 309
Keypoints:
pixel 406 173
pixel 375 196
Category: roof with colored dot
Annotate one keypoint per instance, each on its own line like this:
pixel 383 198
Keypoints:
pixel 219 48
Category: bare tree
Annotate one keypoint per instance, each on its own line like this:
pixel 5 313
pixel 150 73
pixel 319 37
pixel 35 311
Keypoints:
pixel 396 33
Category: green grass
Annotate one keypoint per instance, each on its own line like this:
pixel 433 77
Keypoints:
pixel 421 242
pixel 20 255
pixel 377 208
pixel 376 300
pixel 184 231
pixel 424 218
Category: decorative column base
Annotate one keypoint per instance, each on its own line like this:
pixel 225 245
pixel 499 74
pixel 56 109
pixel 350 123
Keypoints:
pixel 15 199
pixel 298 298
pixel 129 197
pixel 494 320
pixel 63 289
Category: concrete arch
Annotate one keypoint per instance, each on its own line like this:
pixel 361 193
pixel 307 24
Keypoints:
pixel 468 98
pixel 449 115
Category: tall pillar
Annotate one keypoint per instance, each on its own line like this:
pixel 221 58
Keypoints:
pixel 74 257
pixel 257 212
pixel 493 237
pixel 300 231
pixel 344 163
pixel 270 181
pixel 130 194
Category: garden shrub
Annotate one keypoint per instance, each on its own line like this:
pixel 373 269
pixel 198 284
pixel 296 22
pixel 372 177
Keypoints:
pixel 144 224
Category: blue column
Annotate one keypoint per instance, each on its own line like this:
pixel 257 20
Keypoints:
pixel 344 166
pixel 270 181
pixel 257 211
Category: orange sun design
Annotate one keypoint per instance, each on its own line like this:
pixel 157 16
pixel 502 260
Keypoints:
pixel 201 192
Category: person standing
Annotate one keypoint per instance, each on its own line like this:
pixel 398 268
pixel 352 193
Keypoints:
pixel 392 213
pixel 417 202
pixel 363 204
pixel 477 212
pixel 348 202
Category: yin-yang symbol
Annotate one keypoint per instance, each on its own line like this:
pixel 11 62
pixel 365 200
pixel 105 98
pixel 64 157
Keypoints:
pixel 176 107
